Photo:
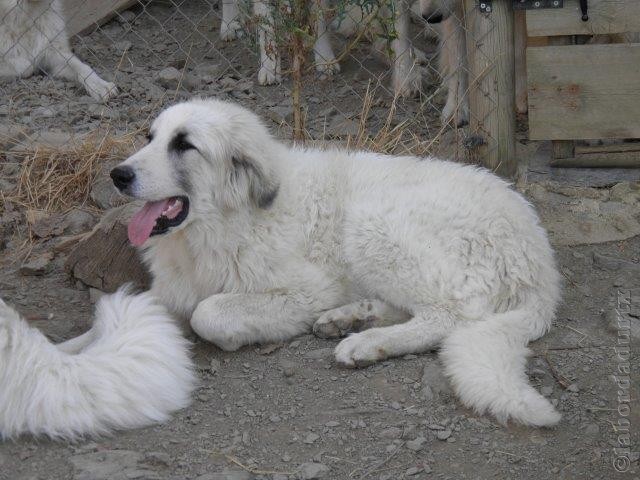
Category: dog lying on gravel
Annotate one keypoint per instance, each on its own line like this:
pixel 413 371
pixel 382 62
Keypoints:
pixel 131 369
pixel 256 242
pixel 33 37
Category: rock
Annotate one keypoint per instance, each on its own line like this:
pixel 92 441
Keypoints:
pixel 417 444
pixel 214 366
pixel 105 259
pixel 342 127
pixel 159 458
pixel 104 194
pixel 110 465
pixel 11 135
pixel 38 265
pixel 434 383
pixel 443 434
pixel 43 224
pixel 313 470
pixel 547 390
pixel 171 78
pixel 78 221
pixel 281 114
pixel 618 265
pixel 95 295
pixel 226 474
pixel 391 432
pixel 122 46
pixel 311 438
pixel 412 471
pixel 573 388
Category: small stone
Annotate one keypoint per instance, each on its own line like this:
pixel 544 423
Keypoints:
pixel 160 458
pixel 78 221
pixel 412 471
pixel 547 390
pixel 443 434
pixel 126 17
pixel 38 265
pixel 592 429
pixel 395 405
pixel 313 470
pixel 95 295
pixel 311 438
pixel 42 112
pixel 214 366
pixel 391 432
pixel 122 46
pixel 417 444
pixel 170 78
pixel 332 424
pixel 573 388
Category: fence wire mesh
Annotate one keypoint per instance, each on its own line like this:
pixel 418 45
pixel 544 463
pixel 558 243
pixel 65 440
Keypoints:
pixel 389 75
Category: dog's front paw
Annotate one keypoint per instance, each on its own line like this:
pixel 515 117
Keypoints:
pixel 231 31
pixel 340 321
pixel 328 69
pixel 101 90
pixel 269 73
pixel 452 110
pixel 360 350
pixel 407 79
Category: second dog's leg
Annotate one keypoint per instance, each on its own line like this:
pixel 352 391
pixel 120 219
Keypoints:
pixel 357 316
pixel 269 71
pixel 453 54
pixel 68 66
pixel 230 27
pixel 233 320
pixel 423 332
pixel 406 74
pixel 324 56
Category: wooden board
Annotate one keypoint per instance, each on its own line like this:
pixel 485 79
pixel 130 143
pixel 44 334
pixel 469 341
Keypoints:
pixel 83 14
pixel 605 16
pixel 584 91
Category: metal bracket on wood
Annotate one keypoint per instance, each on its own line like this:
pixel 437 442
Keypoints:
pixel 537 4
pixel 485 6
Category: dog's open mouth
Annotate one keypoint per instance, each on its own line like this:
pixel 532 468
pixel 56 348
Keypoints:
pixel 156 218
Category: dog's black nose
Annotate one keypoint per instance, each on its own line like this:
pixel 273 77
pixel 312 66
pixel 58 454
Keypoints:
pixel 122 177
pixel 433 17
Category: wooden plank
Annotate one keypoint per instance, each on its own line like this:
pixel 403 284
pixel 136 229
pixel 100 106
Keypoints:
pixel 81 15
pixel 605 16
pixel 611 148
pixel 561 148
pixel 490 47
pixel 600 160
pixel 520 52
pixel 584 92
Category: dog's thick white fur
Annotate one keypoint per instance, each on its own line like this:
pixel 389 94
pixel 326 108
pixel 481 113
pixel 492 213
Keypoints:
pixel 131 369
pixel 276 239
pixel 33 37
pixel 269 71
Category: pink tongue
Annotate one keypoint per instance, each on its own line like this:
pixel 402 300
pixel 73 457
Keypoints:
pixel 141 224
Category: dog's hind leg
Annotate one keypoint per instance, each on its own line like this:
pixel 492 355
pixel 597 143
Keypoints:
pixel 356 317
pixel 231 321
pixel 423 332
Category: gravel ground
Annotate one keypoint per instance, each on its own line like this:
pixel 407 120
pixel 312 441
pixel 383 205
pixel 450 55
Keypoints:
pixel 287 411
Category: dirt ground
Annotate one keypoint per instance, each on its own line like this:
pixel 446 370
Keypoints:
pixel 288 411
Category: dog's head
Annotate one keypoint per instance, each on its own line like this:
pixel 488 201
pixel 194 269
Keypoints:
pixel 435 11
pixel 203 157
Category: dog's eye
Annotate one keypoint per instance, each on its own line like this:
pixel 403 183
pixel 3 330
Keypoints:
pixel 180 143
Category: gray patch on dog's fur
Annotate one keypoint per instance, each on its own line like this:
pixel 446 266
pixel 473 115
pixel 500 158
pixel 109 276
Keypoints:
pixel 262 191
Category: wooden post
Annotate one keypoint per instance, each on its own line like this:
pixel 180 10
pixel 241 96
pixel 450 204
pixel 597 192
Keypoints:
pixel 490 47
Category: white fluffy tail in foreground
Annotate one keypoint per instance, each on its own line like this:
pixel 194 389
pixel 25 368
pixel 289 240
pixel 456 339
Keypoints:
pixel 486 363
pixel 132 369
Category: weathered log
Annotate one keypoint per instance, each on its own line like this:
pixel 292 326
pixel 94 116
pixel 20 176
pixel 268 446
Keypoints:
pixel 105 259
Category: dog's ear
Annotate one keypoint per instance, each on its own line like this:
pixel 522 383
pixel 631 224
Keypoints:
pixel 261 186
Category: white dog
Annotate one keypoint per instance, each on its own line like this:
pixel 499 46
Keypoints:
pixel 33 37
pixel 131 369
pixel 256 242
pixel 269 71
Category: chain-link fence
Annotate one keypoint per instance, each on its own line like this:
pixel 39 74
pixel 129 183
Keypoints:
pixel 390 75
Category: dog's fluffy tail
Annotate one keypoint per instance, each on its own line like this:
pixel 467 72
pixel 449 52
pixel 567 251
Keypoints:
pixel 486 362
pixel 132 369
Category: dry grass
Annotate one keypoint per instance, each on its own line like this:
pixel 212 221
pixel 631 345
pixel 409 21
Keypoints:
pixel 55 179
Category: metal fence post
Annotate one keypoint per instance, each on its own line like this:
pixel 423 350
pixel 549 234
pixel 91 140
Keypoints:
pixel 490 46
